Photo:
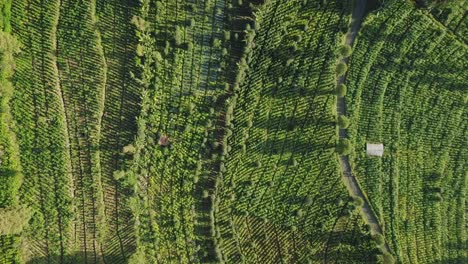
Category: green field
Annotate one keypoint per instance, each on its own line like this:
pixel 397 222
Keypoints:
pixel 233 131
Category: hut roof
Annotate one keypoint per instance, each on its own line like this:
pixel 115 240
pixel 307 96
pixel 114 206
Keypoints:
pixel 375 149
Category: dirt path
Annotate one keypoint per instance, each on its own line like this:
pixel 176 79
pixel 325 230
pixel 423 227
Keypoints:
pixel 350 181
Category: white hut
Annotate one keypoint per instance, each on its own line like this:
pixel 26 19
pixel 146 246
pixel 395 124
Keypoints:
pixel 374 149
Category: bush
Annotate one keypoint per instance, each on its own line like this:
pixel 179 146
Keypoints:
pixel 378 239
pixel 341 69
pixel 343 121
pixel 341 90
pixel 345 51
pixel 344 147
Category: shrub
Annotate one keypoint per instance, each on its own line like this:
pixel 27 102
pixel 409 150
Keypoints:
pixel 341 69
pixel 345 51
pixel 344 147
pixel 343 121
pixel 341 90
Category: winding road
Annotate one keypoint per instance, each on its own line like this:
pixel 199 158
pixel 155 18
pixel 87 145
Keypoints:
pixel 350 181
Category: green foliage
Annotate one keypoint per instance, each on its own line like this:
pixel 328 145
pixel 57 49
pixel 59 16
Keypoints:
pixel 343 121
pixel 345 51
pixel 388 258
pixel 341 90
pixel 378 239
pixel 341 69
pixel 358 202
pixel 344 147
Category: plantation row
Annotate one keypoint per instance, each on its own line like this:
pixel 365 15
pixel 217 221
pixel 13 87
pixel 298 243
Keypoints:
pixel 69 83
pixel 406 74
pixel 41 131
pixel 10 179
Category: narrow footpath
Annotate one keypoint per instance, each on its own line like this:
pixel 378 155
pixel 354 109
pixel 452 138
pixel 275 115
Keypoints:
pixel 350 181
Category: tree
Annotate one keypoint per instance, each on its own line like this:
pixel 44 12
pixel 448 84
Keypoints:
pixel 358 202
pixel 14 219
pixel 341 90
pixel 378 239
pixel 341 69
pixel 129 149
pixel 344 147
pixel 388 258
pixel 137 257
pixel 178 35
pixel 118 174
pixel 343 121
pixel 345 51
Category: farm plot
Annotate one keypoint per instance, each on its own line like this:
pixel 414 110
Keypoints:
pixel 182 58
pixel 122 96
pixel 407 89
pixel 82 73
pixel 279 197
pixel 38 112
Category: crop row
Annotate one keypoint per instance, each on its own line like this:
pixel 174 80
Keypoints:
pixel 11 177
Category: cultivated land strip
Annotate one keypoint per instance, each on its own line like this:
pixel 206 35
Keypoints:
pixel 349 179
pixel 41 132
pixel 83 75
pixel 118 124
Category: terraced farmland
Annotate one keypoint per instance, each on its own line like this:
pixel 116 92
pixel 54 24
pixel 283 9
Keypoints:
pixel 406 74
pixel 232 131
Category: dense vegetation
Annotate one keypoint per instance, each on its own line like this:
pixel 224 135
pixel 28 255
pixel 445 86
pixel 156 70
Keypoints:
pixel 207 131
